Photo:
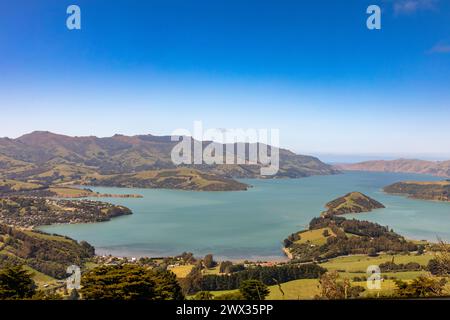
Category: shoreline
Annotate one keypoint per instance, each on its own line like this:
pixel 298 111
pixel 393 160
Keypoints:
pixel 253 258
pixel 429 238
pixel 405 195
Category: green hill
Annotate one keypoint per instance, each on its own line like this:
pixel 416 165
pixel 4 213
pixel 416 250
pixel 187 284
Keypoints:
pixel 353 202
pixel 47 254
pixel 333 236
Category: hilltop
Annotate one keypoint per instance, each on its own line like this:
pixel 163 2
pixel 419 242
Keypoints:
pixel 47 158
pixel 353 202
pixel 435 168
pixel 426 190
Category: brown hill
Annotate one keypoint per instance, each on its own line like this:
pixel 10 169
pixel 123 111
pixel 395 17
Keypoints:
pixel 426 190
pixel 436 168
pixel 49 158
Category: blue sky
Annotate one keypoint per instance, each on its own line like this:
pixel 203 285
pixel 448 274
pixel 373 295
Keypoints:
pixel 309 68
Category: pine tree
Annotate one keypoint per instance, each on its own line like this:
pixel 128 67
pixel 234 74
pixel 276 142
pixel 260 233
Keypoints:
pixel 16 283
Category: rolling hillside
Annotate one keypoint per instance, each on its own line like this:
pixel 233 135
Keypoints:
pixel 47 158
pixel 435 168
pixel 47 254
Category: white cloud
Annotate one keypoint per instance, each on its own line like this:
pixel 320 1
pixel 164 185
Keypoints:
pixel 411 6
pixel 440 48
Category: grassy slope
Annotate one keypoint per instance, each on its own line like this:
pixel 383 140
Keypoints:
pixel 427 183
pixel 359 263
pixel 314 236
pixel 348 267
pixel 181 271
pixel 61 190
pixel 352 202
pixel 45 236
pixel 18 185
pixel 179 178
pixel 293 290
pixel 53 253
pixel 40 278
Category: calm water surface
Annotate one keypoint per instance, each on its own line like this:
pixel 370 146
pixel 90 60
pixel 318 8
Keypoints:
pixel 250 224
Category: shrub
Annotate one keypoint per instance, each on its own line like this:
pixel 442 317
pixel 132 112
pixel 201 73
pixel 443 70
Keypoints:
pixel 253 290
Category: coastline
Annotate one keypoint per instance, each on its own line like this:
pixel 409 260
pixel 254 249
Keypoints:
pixel 429 234
pixel 101 251
pixel 404 195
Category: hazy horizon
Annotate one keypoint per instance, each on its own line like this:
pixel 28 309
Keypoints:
pixel 325 157
pixel 331 86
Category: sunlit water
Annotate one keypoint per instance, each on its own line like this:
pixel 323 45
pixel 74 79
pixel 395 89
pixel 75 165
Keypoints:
pixel 250 224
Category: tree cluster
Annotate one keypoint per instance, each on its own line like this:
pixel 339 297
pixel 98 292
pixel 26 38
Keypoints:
pixel 129 282
pixel 50 257
pixel 195 281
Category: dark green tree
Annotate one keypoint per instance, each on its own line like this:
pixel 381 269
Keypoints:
pixel 436 268
pixel 16 283
pixel 332 287
pixel 224 266
pixel 230 296
pixel 47 295
pixel 129 282
pixel 193 281
pixel 372 252
pixel 420 249
pixel 74 295
pixel 254 290
pixel 422 286
pixel 167 286
pixel 203 295
pixel 440 264
pixel 209 262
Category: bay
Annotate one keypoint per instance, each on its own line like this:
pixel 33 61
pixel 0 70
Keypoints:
pixel 250 224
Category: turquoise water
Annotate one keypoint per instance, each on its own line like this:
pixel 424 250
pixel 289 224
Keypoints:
pixel 250 224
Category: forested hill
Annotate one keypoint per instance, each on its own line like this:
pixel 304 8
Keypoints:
pixel 48 254
pixel 334 236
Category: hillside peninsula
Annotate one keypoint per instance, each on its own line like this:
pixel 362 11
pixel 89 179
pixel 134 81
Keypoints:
pixel 27 212
pixel 435 168
pixel 425 190
pixel 353 202
pixel 330 235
